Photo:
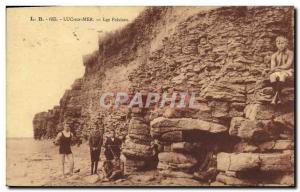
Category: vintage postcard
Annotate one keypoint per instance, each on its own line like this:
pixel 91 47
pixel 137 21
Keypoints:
pixel 150 96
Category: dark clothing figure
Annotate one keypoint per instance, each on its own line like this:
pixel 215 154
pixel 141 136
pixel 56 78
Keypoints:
pixel 113 169
pixel 112 164
pixel 112 148
pixel 65 144
pixel 95 143
pixel 95 154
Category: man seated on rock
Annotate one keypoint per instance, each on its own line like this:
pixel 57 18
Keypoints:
pixel 112 165
pixel 281 67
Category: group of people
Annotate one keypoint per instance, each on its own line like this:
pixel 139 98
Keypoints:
pixel 112 150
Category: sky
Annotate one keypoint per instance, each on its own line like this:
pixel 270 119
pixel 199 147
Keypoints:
pixel 43 58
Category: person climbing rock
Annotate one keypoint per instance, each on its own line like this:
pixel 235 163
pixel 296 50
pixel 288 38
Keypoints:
pixel 64 139
pixel 95 143
pixel 281 67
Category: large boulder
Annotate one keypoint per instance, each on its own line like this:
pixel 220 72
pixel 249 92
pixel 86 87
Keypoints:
pixel 278 145
pixel 176 158
pixel 173 136
pixel 136 150
pixel 162 125
pixel 173 161
pixel 138 128
pixel 257 161
pixel 182 147
pixel 237 162
pixel 233 181
pixel 254 130
pixel 276 162
pixel 260 111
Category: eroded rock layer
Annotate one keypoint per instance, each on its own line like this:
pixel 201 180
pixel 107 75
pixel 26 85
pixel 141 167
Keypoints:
pixel 234 137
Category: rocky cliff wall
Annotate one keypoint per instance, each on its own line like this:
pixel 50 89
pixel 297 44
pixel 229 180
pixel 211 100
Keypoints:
pixel 235 137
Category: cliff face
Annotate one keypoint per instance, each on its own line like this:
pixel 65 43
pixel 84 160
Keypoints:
pixel 235 137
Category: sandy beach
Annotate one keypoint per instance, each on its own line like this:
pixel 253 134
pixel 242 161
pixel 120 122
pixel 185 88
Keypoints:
pixel 37 163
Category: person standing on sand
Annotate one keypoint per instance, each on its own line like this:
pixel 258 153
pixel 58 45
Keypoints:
pixel 95 143
pixel 63 139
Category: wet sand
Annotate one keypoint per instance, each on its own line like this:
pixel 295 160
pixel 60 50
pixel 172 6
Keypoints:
pixel 37 163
